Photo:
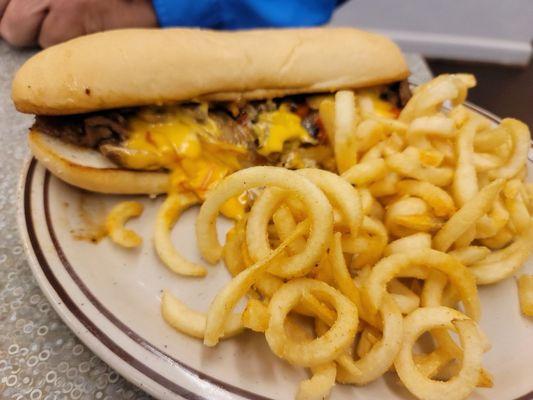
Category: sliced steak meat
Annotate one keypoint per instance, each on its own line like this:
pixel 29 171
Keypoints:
pixel 105 127
pixel 398 94
pixel 68 129
pixel 238 132
pixel 404 90
pixel 89 130
pixel 107 130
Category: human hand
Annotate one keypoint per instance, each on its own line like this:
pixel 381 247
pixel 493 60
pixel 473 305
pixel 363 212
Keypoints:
pixel 47 22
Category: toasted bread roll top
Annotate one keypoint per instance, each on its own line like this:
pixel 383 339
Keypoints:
pixel 135 67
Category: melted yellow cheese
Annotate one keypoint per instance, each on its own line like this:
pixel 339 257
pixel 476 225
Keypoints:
pixel 235 207
pixel 199 176
pixel 180 143
pixel 384 109
pixel 381 108
pixel 168 141
pixel 176 144
pixel 275 128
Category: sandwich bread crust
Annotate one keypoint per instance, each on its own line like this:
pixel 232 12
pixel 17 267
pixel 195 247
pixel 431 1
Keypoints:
pixel 135 67
pixel 90 170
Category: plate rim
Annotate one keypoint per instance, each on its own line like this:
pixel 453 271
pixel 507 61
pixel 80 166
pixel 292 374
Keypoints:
pixel 79 321
pixel 58 302
pixel 88 337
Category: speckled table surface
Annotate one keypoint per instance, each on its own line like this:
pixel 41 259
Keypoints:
pixel 40 358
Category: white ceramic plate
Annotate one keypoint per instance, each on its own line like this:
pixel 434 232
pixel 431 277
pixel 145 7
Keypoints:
pixel 110 298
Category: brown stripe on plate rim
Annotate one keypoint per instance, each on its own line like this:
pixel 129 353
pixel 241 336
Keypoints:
pixel 102 309
pixel 147 345
pixel 75 310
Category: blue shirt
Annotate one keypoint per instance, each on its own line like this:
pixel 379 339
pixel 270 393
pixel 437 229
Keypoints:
pixel 242 14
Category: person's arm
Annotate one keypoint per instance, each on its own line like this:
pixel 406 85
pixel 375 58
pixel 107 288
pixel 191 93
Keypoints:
pixel 47 22
pixel 241 14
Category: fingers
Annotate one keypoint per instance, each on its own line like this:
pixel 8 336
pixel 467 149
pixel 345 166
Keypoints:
pixel 64 21
pixel 21 21
pixel 134 13
pixel 68 19
pixel 3 5
pixel 47 22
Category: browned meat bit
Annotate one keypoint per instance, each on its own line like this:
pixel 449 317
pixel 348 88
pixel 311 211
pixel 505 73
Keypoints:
pixel 296 157
pixel 322 135
pixel 405 93
pixel 397 93
pixel 102 127
pixel 235 132
pixel 312 125
pixel 86 130
pixel 68 129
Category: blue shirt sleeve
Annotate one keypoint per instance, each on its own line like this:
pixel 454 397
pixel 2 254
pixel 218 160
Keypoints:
pixel 243 14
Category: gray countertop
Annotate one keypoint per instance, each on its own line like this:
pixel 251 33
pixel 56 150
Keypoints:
pixel 40 358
